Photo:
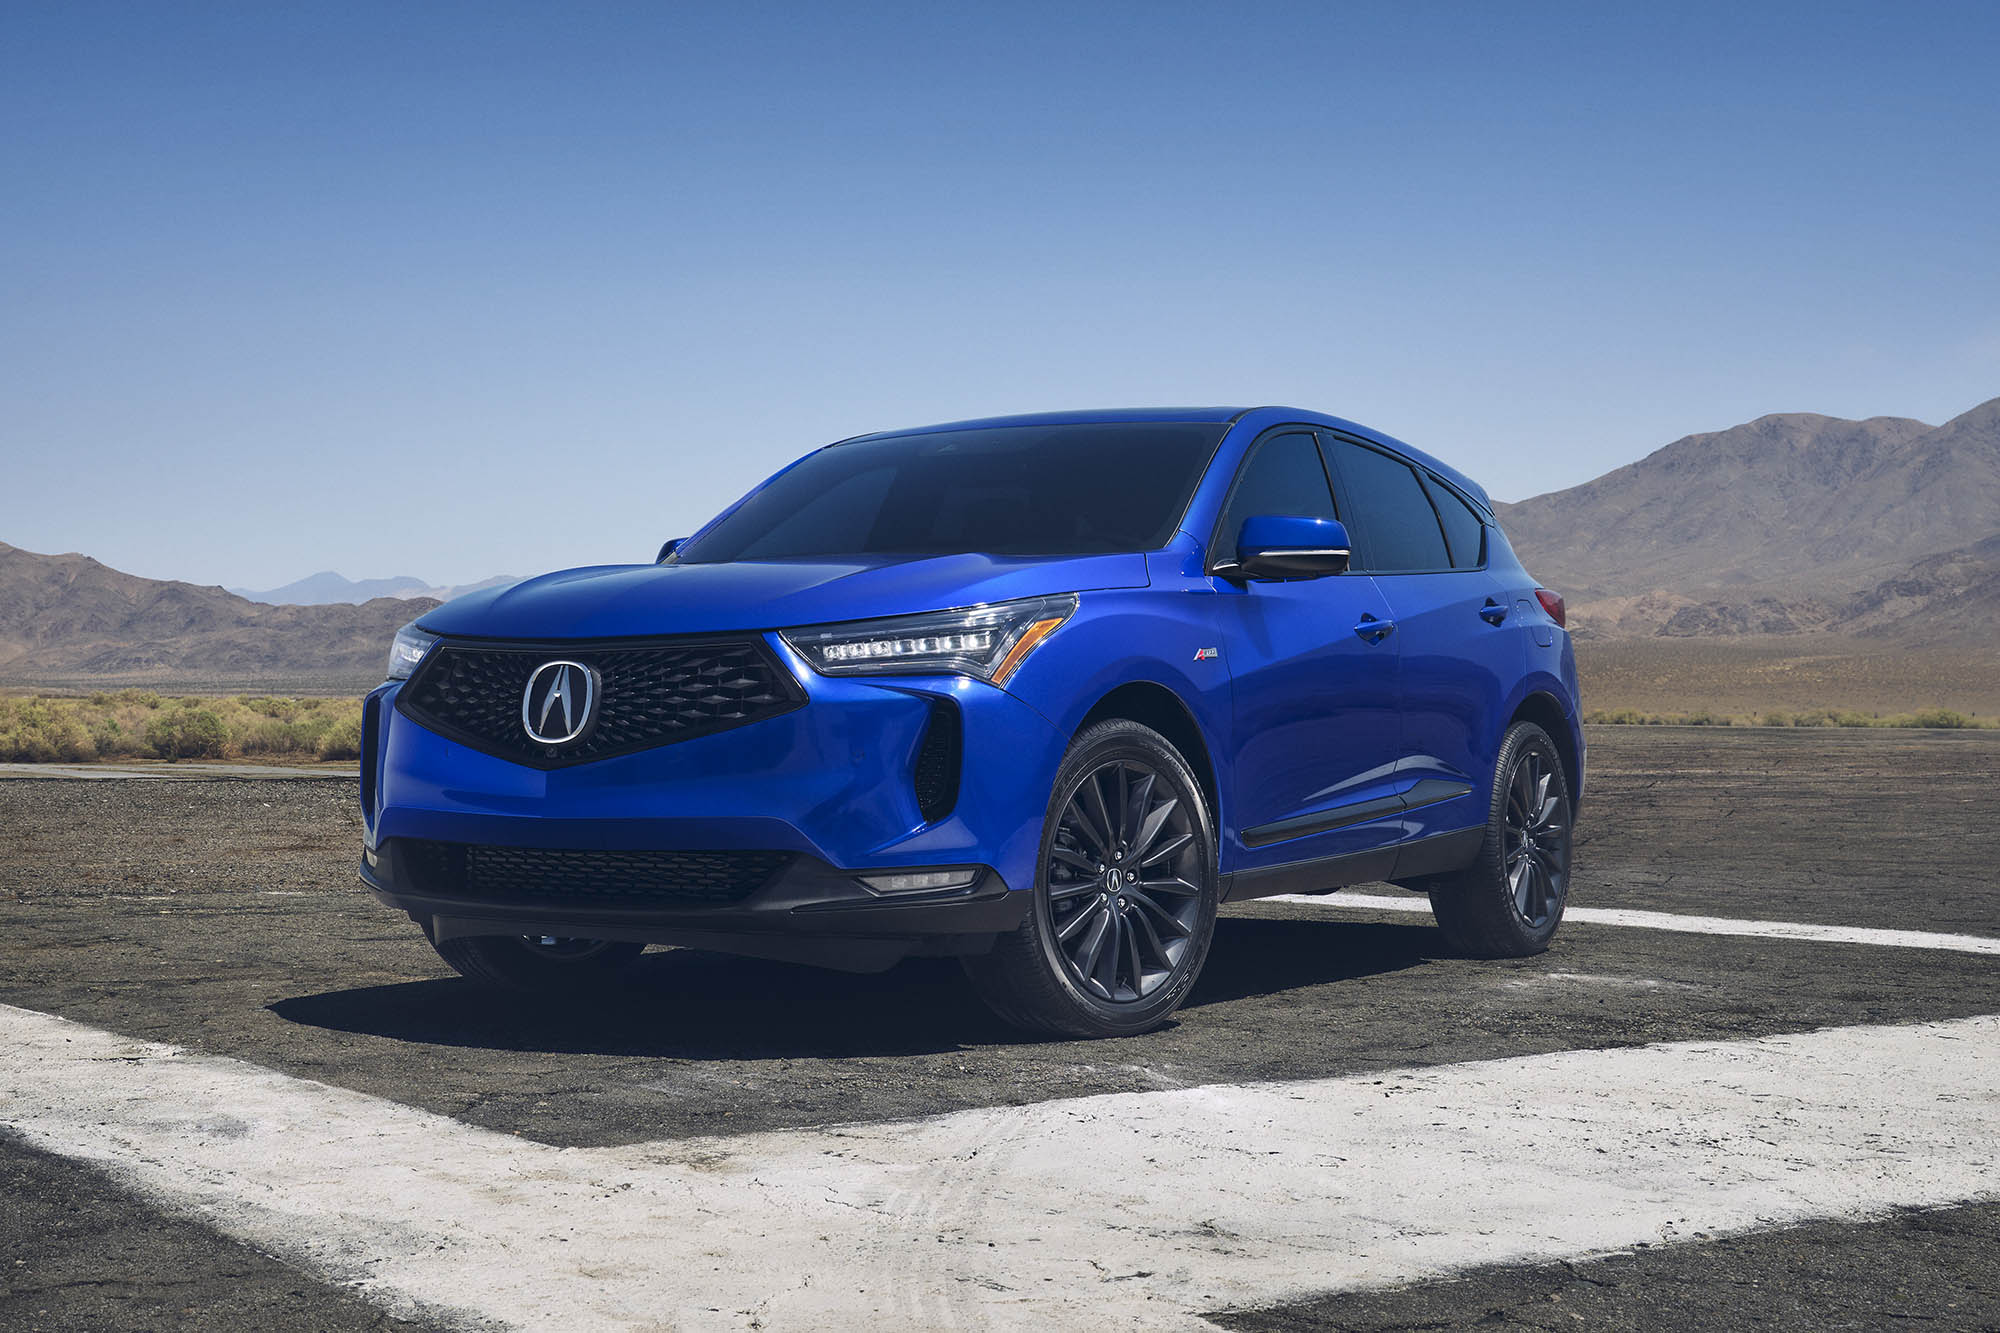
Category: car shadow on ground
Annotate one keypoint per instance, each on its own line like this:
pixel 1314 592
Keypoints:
pixel 688 1004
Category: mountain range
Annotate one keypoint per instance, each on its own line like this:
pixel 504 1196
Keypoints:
pixel 1792 539
pixel 70 620
pixel 1788 524
pixel 327 587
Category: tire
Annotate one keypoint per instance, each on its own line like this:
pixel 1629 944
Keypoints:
pixel 1118 932
pixel 529 966
pixel 1508 902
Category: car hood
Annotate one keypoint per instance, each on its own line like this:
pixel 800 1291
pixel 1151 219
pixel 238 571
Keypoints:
pixel 614 601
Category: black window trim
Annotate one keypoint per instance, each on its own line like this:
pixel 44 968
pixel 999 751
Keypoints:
pixel 1328 459
pixel 1433 480
pixel 1216 563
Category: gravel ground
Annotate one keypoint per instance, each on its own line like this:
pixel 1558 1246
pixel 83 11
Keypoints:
pixel 222 914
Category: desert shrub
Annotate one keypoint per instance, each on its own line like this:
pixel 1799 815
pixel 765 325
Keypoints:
pixel 1937 718
pixel 114 740
pixel 41 731
pixel 1617 717
pixel 265 705
pixel 342 740
pixel 185 732
pixel 272 735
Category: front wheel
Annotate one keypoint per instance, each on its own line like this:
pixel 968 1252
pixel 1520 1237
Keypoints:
pixel 538 965
pixel 1125 898
pixel 1508 903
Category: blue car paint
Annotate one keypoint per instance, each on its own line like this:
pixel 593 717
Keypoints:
pixel 1298 712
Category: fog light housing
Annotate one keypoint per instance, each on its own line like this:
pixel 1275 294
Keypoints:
pixel 921 881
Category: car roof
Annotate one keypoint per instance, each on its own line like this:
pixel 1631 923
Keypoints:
pixel 1263 417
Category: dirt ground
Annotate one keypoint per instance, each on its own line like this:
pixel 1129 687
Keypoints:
pixel 222 914
pixel 1754 674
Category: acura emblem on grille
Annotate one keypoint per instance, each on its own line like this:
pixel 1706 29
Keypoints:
pixel 559 692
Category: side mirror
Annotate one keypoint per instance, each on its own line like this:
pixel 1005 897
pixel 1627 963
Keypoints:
pixel 1278 546
pixel 668 548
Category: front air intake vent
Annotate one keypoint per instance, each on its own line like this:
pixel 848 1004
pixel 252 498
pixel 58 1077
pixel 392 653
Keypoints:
pixel 641 694
pixel 938 765
pixel 545 875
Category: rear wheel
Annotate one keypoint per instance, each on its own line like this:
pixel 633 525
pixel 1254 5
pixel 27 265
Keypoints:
pixel 1125 899
pixel 538 964
pixel 1508 902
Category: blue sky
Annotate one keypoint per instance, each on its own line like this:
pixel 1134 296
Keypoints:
pixel 454 290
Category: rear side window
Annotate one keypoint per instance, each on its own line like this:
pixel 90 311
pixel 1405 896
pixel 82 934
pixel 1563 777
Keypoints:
pixel 1282 475
pixel 1464 531
pixel 1398 528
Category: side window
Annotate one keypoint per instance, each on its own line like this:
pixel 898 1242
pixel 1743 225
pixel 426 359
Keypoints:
pixel 1399 529
pixel 1464 531
pixel 1282 475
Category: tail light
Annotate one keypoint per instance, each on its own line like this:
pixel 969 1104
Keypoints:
pixel 1553 604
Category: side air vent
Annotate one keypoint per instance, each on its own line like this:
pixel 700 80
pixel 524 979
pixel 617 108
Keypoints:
pixel 936 775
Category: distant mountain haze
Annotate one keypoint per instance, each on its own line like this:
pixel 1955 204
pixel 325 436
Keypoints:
pixel 328 587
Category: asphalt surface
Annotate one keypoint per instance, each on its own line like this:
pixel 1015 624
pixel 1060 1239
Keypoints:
pixel 222 915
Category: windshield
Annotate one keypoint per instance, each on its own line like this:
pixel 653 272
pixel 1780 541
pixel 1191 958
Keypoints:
pixel 1004 490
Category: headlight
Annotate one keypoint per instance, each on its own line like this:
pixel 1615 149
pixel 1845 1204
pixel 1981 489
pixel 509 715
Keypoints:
pixel 989 642
pixel 409 648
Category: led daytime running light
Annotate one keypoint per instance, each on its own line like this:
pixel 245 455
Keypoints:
pixel 988 642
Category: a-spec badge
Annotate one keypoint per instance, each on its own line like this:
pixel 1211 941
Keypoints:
pixel 1207 654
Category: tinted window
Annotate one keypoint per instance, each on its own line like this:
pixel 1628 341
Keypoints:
pixel 1283 475
pixel 1008 490
pixel 1464 531
pixel 1399 530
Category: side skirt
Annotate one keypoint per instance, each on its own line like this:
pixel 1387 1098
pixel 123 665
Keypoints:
pixel 1426 856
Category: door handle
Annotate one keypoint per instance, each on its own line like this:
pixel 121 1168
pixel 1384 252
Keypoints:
pixel 1492 613
pixel 1372 630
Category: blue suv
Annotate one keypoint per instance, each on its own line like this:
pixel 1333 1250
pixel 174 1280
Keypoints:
pixel 1037 692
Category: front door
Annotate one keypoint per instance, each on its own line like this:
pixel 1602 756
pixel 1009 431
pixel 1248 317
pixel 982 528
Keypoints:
pixel 1313 667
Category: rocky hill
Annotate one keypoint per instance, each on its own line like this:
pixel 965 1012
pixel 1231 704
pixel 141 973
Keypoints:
pixel 1787 524
pixel 71 619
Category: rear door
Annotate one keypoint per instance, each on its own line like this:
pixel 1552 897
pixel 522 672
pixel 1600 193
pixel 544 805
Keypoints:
pixel 1317 721
pixel 1425 548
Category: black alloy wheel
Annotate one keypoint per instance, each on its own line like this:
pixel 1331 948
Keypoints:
pixel 1537 837
pixel 1121 905
pixel 1508 902
pixel 1125 901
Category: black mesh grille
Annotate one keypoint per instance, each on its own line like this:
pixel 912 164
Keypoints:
pixel 937 768
pixel 648 695
pixel 608 879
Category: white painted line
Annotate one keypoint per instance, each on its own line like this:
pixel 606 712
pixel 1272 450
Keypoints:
pixel 190 771
pixel 1130 1211
pixel 1693 925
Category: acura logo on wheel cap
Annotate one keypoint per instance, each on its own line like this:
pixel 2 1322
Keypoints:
pixel 560 702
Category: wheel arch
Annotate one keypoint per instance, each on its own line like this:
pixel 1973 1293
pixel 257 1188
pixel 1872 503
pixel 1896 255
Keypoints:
pixel 1546 711
pixel 1152 704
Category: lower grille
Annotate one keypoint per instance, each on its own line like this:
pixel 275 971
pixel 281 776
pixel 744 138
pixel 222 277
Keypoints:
pixel 597 878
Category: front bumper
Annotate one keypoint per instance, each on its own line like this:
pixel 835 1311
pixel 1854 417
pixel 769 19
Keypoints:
pixel 829 784
pixel 808 912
